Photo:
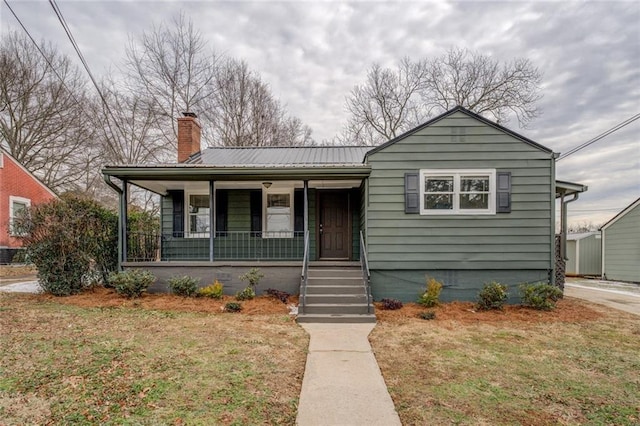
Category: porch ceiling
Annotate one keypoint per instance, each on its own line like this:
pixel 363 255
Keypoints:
pixel 159 179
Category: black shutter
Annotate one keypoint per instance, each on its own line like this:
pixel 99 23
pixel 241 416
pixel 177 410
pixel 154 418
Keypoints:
pixel 222 202
pixel 177 197
pixel 503 192
pixel 256 212
pixel 298 210
pixel 412 192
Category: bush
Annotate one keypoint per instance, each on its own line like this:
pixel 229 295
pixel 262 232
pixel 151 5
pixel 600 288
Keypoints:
pixel 431 296
pixel 427 315
pixel 253 276
pixel 131 283
pixel 72 241
pixel 282 296
pixel 246 294
pixel 232 307
pixel 492 296
pixel 391 304
pixel 214 290
pixel 540 296
pixel 184 286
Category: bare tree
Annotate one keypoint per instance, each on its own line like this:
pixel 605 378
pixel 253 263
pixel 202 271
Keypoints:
pixel 247 114
pixel 43 120
pixel 483 85
pixel 172 68
pixel 392 101
pixel 386 104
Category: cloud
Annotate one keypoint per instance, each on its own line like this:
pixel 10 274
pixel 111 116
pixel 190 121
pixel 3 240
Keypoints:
pixel 313 53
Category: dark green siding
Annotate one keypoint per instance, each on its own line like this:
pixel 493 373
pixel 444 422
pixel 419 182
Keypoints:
pixel 519 241
pixel 235 246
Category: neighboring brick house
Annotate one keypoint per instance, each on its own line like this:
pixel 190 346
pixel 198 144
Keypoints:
pixel 19 189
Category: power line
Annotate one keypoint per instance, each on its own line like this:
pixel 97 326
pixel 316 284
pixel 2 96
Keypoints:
pixel 600 136
pixel 46 58
pixel 85 64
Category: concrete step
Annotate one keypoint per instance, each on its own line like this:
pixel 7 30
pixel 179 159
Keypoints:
pixel 334 281
pixel 336 308
pixel 334 289
pixel 336 318
pixel 336 298
pixel 334 273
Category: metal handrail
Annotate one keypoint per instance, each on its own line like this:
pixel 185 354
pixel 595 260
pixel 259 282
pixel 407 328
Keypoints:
pixel 366 276
pixel 305 273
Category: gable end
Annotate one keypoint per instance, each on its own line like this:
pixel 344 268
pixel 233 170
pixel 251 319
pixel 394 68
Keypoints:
pixel 468 113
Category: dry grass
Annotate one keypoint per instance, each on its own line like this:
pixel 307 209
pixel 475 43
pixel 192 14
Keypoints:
pixel 576 365
pixel 12 271
pixel 65 364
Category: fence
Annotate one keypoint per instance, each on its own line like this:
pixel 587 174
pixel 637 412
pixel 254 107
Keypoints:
pixel 228 245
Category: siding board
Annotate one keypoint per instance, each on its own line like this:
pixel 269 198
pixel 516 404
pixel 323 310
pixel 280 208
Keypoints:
pixel 519 239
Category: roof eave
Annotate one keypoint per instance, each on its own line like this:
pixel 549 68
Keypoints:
pixel 564 188
pixel 237 173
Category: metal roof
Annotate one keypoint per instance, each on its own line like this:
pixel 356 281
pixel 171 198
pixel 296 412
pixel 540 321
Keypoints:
pixel 581 235
pixel 282 156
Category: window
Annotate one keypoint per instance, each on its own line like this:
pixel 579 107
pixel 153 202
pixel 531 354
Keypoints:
pixel 198 215
pixel 18 206
pixel 457 191
pixel 278 213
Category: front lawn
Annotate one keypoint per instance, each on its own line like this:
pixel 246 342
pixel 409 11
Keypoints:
pixel 66 364
pixel 577 365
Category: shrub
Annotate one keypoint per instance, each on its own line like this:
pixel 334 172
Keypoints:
pixel 540 296
pixel 282 296
pixel 431 296
pixel 232 307
pixel 184 286
pixel 253 276
pixel 72 241
pixel 131 283
pixel 427 315
pixel 214 290
pixel 391 304
pixel 492 296
pixel 246 294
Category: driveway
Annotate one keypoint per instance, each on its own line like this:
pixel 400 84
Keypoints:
pixel 16 286
pixel 617 295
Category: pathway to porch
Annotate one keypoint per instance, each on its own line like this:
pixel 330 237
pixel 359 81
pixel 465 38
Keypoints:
pixel 342 382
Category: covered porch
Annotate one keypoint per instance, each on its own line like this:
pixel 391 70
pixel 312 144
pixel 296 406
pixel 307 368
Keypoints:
pixel 220 215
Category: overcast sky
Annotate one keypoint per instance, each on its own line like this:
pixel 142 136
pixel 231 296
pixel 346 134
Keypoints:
pixel 312 54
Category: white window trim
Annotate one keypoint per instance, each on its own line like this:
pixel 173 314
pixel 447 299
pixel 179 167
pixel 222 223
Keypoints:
pixel 278 190
pixel 457 173
pixel 187 228
pixel 15 199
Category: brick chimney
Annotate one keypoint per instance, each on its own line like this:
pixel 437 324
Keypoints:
pixel 188 136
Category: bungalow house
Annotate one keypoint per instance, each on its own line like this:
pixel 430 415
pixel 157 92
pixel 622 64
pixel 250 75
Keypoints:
pixel 621 245
pixel 459 198
pixel 19 189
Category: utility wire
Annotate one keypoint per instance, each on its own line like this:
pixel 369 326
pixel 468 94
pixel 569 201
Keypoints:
pixel 46 58
pixel 600 136
pixel 67 30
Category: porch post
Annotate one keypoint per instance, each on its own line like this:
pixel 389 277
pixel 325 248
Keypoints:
pixel 123 220
pixel 306 206
pixel 212 218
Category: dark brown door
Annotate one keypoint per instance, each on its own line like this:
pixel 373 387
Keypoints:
pixel 334 225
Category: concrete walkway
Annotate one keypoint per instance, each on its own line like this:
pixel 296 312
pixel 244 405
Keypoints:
pixel 621 296
pixel 21 287
pixel 342 382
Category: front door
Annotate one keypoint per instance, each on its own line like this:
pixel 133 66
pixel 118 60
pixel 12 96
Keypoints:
pixel 333 225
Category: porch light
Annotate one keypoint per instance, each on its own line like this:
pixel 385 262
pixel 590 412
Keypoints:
pixel 267 184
